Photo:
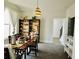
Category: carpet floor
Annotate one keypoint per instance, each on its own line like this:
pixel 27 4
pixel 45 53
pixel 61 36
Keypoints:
pixel 49 51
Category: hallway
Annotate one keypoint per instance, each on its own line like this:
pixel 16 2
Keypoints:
pixel 49 51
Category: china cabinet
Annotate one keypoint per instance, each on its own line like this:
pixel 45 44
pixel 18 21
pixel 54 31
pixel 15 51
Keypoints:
pixel 29 25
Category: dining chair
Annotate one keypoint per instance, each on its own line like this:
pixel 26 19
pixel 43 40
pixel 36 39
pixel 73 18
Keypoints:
pixel 33 47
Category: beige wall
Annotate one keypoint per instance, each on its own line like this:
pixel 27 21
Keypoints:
pixel 71 11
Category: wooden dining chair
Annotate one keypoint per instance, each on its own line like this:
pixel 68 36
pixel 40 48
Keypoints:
pixel 33 47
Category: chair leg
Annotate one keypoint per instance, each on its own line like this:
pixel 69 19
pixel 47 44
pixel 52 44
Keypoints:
pixel 37 49
pixel 35 52
pixel 25 55
pixel 28 52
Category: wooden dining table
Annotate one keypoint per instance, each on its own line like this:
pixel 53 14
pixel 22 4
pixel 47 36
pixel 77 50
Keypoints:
pixel 20 49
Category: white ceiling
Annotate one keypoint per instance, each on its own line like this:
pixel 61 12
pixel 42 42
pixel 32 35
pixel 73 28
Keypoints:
pixel 55 5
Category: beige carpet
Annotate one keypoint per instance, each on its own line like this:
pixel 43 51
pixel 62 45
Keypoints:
pixel 49 51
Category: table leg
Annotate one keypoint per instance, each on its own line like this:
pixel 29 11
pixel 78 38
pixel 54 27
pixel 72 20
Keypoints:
pixel 28 52
pixel 25 54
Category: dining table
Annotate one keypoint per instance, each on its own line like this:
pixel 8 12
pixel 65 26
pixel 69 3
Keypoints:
pixel 21 48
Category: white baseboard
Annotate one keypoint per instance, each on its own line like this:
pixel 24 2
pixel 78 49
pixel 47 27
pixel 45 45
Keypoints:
pixel 47 41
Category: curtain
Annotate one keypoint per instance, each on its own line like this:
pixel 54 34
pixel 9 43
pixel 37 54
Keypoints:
pixel 14 20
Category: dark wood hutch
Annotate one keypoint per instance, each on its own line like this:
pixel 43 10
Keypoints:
pixel 29 25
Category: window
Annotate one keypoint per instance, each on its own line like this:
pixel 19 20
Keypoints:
pixel 7 23
pixel 10 22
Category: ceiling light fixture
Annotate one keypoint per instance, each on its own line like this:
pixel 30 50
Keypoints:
pixel 37 11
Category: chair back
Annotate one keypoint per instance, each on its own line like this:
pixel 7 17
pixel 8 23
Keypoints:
pixel 36 41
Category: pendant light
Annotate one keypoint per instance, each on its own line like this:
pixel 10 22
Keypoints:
pixel 37 11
